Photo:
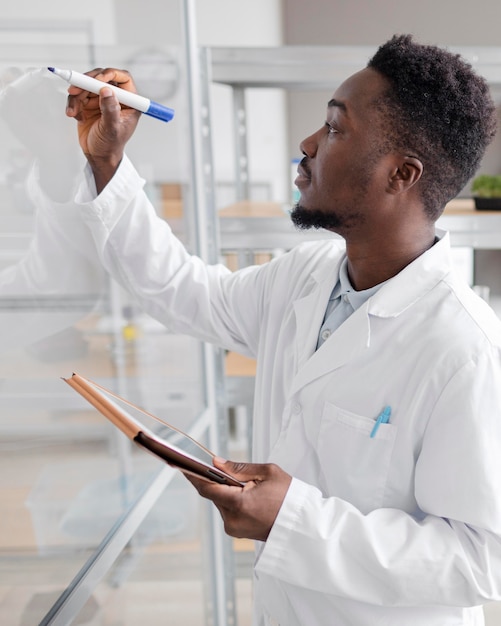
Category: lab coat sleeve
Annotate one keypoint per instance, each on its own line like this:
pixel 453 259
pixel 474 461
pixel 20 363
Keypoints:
pixel 140 251
pixel 449 554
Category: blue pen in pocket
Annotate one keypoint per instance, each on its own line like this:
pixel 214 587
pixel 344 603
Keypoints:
pixel 383 418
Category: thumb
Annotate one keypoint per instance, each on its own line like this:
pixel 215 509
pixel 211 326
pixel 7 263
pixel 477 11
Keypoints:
pixel 242 471
pixel 109 105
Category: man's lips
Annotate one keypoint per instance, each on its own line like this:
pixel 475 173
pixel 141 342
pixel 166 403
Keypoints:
pixel 303 176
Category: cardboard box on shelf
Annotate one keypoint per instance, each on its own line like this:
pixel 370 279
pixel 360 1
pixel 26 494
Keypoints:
pixel 172 200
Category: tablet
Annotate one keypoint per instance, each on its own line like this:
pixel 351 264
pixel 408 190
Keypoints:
pixel 173 446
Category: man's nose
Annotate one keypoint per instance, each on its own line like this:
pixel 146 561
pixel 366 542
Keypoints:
pixel 309 145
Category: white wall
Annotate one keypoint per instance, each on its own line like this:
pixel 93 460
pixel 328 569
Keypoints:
pixel 100 12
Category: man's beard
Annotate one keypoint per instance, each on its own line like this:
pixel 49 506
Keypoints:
pixel 315 218
pixel 343 219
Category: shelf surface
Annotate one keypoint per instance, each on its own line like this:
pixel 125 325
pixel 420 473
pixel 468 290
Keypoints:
pixel 266 226
pixel 319 67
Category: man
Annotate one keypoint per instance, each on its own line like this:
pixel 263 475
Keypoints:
pixel 376 487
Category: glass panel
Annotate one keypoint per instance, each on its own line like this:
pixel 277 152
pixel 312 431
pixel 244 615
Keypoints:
pixel 161 575
pixel 66 474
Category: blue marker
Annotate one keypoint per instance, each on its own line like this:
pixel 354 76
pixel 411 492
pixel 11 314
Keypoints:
pixel 383 418
pixel 128 98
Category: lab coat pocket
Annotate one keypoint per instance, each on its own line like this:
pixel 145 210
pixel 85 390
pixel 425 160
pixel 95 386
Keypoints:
pixel 353 465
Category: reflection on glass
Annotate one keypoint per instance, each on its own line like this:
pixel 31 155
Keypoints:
pixel 66 475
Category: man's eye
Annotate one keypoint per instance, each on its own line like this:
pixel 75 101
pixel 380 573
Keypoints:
pixel 330 129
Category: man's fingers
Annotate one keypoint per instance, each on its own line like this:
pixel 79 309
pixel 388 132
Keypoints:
pixel 79 99
pixel 76 104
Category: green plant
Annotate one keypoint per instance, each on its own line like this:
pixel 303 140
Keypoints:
pixel 486 186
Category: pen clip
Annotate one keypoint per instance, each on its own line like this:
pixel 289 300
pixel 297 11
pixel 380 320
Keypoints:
pixel 383 418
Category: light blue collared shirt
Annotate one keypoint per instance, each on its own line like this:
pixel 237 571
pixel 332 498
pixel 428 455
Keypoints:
pixel 342 302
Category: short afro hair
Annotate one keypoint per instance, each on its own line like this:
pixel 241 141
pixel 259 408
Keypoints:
pixel 437 109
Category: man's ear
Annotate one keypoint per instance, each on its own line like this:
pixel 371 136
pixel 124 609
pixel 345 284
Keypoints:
pixel 406 174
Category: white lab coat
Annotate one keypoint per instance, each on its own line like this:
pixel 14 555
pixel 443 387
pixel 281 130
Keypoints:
pixel 400 529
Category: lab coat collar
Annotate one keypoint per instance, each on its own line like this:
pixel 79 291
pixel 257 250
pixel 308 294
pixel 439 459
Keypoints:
pixel 353 337
pixel 414 281
pixel 341 347
pixel 310 310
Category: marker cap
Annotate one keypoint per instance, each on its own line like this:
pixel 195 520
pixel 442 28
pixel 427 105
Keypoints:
pixel 160 112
